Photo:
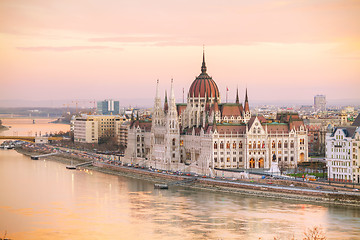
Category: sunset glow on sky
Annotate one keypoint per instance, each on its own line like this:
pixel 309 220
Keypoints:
pixel 283 51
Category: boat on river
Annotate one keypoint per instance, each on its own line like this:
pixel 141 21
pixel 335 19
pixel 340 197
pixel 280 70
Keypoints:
pixel 71 167
pixel 161 186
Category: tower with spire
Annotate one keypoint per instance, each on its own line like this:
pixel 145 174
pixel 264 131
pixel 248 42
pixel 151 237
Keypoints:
pixel 172 133
pixel 197 136
pixel 158 113
pixel 247 114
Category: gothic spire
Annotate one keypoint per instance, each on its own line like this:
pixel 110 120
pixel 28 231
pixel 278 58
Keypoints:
pixel 246 96
pixel 203 66
pixel 237 95
pixel 166 106
pixel 157 89
pixel 246 105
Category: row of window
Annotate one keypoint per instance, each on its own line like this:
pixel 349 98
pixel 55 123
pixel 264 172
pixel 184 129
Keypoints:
pixel 340 157
pixel 341 170
pixel 337 163
pixel 227 159
pixel 255 144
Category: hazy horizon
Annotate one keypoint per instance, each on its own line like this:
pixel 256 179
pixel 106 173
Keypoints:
pixel 282 51
pixel 148 103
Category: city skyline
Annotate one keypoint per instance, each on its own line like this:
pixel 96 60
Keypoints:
pixel 281 51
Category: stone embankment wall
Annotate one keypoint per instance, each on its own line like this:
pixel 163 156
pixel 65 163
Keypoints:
pixel 222 186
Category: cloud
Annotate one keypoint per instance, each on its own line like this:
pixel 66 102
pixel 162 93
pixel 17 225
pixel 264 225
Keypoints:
pixel 178 40
pixel 66 48
pixel 131 39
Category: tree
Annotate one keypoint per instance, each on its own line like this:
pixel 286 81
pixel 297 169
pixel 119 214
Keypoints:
pixel 283 166
pixel 315 233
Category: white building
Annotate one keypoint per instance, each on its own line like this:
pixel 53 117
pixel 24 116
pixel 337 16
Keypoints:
pixel 205 134
pixel 342 154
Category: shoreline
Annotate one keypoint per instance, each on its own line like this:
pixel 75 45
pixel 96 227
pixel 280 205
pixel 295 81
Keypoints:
pixel 335 199
pixel 4 128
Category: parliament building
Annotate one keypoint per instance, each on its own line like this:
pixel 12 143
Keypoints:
pixel 205 134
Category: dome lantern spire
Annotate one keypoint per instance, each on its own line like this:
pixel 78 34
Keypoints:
pixel 203 66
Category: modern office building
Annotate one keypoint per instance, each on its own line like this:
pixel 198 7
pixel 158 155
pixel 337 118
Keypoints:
pixel 320 103
pixel 108 107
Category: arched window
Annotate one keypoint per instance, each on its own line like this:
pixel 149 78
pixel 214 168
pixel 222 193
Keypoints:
pixel 254 144
pixel 234 145
pixel 173 141
pixel 292 144
pixel 221 145
pixel 273 144
pixel 215 145
pixel 263 144
pixel 250 145
pixel 279 144
pixel 240 144
pixel 259 146
pixel 285 144
pixel 228 145
pixel 138 138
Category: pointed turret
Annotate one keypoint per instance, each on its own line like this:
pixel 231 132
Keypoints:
pixel 132 116
pixel 216 105
pixel 157 89
pixel 246 105
pixel 203 66
pixel 172 116
pixel 237 96
pixel 166 105
pixel 157 114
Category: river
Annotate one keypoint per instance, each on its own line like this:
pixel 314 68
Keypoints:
pixel 43 200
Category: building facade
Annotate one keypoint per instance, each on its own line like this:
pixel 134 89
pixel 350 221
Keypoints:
pixel 108 107
pixel 86 130
pixel 320 103
pixel 91 128
pixel 205 134
pixel 342 154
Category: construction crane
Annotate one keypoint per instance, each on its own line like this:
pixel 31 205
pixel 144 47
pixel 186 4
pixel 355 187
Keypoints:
pixel 67 107
pixel 76 104
pixel 94 108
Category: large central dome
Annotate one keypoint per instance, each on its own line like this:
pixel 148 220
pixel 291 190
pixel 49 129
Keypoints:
pixel 204 86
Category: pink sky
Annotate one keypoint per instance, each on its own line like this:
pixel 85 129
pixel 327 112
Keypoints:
pixel 95 49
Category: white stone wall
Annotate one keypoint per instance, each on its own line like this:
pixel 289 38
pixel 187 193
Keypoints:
pixel 339 156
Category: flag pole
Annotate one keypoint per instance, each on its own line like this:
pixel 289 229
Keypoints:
pixel 227 94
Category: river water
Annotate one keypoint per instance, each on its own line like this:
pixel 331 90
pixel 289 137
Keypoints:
pixel 43 200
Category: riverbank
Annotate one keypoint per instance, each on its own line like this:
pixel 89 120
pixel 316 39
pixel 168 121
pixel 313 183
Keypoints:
pixel 218 185
pixel 3 128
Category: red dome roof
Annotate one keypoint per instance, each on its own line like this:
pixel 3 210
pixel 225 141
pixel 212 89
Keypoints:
pixel 204 84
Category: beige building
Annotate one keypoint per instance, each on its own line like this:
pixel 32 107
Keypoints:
pixel 121 131
pixel 90 128
pixel 86 130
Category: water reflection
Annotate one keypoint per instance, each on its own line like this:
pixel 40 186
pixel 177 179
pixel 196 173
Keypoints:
pixel 43 200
